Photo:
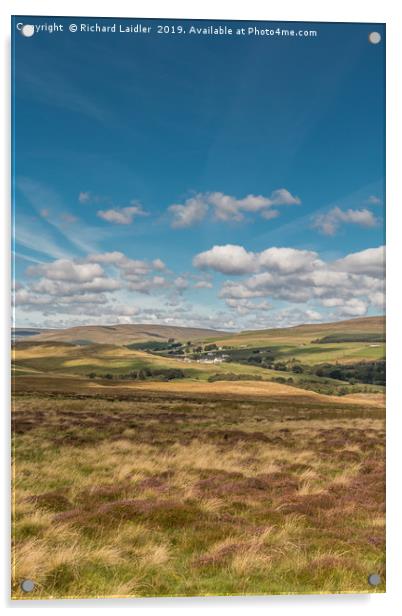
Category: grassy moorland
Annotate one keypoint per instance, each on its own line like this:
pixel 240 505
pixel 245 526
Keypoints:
pixel 144 493
pixel 127 486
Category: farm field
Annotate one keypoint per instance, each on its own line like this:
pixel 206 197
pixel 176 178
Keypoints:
pixel 151 478
pixel 345 343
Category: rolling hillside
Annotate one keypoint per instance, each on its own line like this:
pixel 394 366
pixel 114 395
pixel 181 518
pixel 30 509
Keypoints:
pixel 343 357
pixel 307 333
pixel 122 334
pixel 127 334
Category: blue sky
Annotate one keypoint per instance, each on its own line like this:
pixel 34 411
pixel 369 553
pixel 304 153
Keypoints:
pixel 232 182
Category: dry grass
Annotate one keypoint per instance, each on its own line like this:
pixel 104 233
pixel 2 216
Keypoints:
pixel 160 495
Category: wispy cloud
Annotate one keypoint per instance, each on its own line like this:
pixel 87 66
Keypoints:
pixel 87 196
pixel 57 88
pixel 373 200
pixel 50 224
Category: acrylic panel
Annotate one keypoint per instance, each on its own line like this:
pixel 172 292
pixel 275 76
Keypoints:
pixel 198 346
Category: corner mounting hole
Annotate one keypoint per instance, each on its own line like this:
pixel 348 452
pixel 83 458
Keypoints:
pixel 374 579
pixel 27 585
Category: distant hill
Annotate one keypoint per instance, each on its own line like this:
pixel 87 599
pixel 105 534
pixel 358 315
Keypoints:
pixel 127 334
pixel 117 334
pixel 360 324
pixel 26 332
pixel 308 333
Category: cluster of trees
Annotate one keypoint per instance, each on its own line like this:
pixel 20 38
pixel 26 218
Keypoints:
pixel 230 376
pixel 172 347
pixel 155 345
pixel 160 374
pixel 356 337
pixel 372 372
pixel 253 357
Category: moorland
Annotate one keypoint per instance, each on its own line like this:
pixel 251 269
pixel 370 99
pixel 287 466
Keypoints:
pixel 151 460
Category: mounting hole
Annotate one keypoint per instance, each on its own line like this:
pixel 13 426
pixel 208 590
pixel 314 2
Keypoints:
pixel 27 30
pixel 374 38
pixel 374 579
pixel 27 585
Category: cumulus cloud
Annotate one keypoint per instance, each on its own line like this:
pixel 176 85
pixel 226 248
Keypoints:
pixel 233 259
pixel 255 282
pixel 134 271
pixel 228 208
pixel 203 284
pixel 193 211
pixel 113 258
pixel 64 286
pixel 158 264
pixel 288 260
pixel 353 307
pixel 67 270
pixel 181 283
pixel 370 261
pixel 121 216
pixel 228 259
pixel 330 222
pixel 146 285
pixel 348 285
pixel 246 307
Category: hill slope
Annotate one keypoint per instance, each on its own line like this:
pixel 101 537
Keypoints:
pixel 307 333
pixel 125 334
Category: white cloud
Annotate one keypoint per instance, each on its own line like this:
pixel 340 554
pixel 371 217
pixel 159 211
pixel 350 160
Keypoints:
pixel 288 260
pixel 233 259
pixel 114 257
pixel 329 223
pixel 349 285
pixel 67 270
pixel 353 308
pixel 158 264
pixel 98 288
pixel 203 284
pixel 181 283
pixel 193 211
pixel 59 288
pixel 229 259
pixel 121 216
pixel 245 306
pixel 370 261
pixel 137 273
pixel 87 196
pixel 227 208
pixel 84 197
pixel 373 200
pixel 146 285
